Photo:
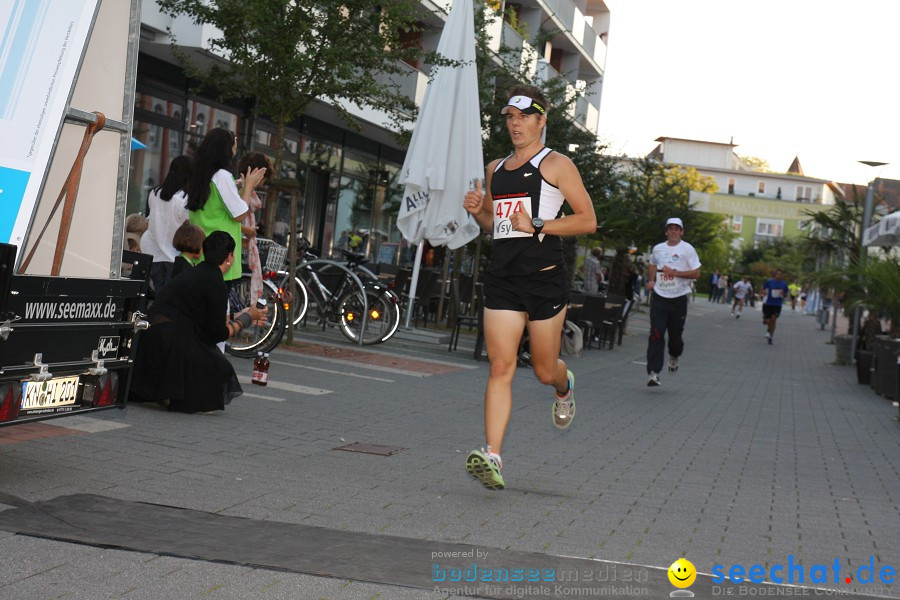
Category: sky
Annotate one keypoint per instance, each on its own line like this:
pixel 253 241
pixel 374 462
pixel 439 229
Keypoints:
pixel 817 79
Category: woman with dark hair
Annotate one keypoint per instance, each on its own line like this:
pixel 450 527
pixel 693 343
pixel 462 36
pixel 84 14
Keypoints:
pixel 212 196
pixel 256 160
pixel 167 212
pixel 177 362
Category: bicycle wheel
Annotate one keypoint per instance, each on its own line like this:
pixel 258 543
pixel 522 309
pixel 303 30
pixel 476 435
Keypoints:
pixel 299 304
pixel 383 315
pixel 327 281
pixel 258 337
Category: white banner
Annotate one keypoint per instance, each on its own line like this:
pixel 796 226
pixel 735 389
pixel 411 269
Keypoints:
pixel 41 44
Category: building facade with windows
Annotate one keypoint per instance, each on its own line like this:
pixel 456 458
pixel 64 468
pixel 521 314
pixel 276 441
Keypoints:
pixel 758 206
pixel 348 180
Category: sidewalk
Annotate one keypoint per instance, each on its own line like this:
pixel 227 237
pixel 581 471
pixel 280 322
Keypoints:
pixel 750 455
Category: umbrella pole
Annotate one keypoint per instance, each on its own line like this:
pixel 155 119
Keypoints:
pixel 445 271
pixel 410 306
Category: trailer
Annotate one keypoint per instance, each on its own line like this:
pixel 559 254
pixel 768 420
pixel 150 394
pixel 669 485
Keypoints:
pixel 71 296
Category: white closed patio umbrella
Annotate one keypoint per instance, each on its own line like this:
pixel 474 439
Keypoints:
pixel 445 152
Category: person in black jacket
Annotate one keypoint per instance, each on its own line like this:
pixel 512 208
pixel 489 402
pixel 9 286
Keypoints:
pixel 177 362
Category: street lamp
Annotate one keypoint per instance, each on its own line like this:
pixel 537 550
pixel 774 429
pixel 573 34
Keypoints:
pixel 867 218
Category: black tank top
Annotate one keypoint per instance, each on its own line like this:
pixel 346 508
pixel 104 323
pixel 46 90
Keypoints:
pixel 516 253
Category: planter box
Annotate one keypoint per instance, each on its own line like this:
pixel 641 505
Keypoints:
pixel 886 379
pixel 865 360
pixel 843 350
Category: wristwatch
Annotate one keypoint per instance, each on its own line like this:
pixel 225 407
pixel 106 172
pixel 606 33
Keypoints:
pixel 538 224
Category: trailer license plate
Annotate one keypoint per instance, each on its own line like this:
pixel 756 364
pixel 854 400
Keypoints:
pixel 53 393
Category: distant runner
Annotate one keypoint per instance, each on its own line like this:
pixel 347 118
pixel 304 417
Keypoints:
pixel 775 290
pixel 742 290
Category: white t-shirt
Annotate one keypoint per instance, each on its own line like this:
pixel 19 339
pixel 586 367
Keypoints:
pixel 741 288
pixel 165 218
pixel 681 257
pixel 230 195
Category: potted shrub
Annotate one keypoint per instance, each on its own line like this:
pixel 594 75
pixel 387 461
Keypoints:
pixel 873 286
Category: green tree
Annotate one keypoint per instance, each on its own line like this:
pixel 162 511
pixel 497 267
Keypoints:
pixel 834 234
pixel 285 54
pixel 834 241
pixel 634 212
pixel 787 254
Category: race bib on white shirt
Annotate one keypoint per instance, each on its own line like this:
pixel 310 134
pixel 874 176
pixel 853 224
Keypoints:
pixel 681 257
pixel 665 283
pixel 503 212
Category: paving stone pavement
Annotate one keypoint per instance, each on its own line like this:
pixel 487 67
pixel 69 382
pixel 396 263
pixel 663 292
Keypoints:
pixel 749 455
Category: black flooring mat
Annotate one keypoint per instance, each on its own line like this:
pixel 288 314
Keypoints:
pixel 455 569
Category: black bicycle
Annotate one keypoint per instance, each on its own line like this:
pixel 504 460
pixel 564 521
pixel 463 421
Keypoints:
pixel 344 294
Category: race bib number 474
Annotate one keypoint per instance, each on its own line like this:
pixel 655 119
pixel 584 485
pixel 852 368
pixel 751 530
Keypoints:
pixel 503 212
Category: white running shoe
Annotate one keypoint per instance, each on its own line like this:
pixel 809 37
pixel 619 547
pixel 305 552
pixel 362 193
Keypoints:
pixel 654 380
pixel 673 364
pixel 563 409
pixel 485 466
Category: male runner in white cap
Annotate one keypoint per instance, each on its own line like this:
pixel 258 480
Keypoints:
pixel 673 264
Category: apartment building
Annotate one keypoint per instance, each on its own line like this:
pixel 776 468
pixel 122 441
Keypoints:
pixel 758 206
pixel 348 179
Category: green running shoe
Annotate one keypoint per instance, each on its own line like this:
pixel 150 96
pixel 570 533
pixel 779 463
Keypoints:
pixel 563 410
pixel 485 466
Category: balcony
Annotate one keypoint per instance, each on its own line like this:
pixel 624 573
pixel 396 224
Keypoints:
pixel 580 34
pixel 412 82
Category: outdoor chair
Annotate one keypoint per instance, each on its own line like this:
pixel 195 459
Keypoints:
pixel 427 293
pixel 626 310
pixel 591 317
pixel 611 322
pixel 459 316
pixel 401 282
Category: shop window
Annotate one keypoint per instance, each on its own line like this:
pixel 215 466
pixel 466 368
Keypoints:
pixel 150 165
pixel 158 105
pixel 321 155
pixel 200 118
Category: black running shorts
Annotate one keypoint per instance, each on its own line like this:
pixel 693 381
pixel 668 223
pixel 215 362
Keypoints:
pixel 542 295
pixel 771 310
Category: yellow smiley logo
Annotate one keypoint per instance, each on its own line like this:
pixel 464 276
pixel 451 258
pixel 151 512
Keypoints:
pixel 682 573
